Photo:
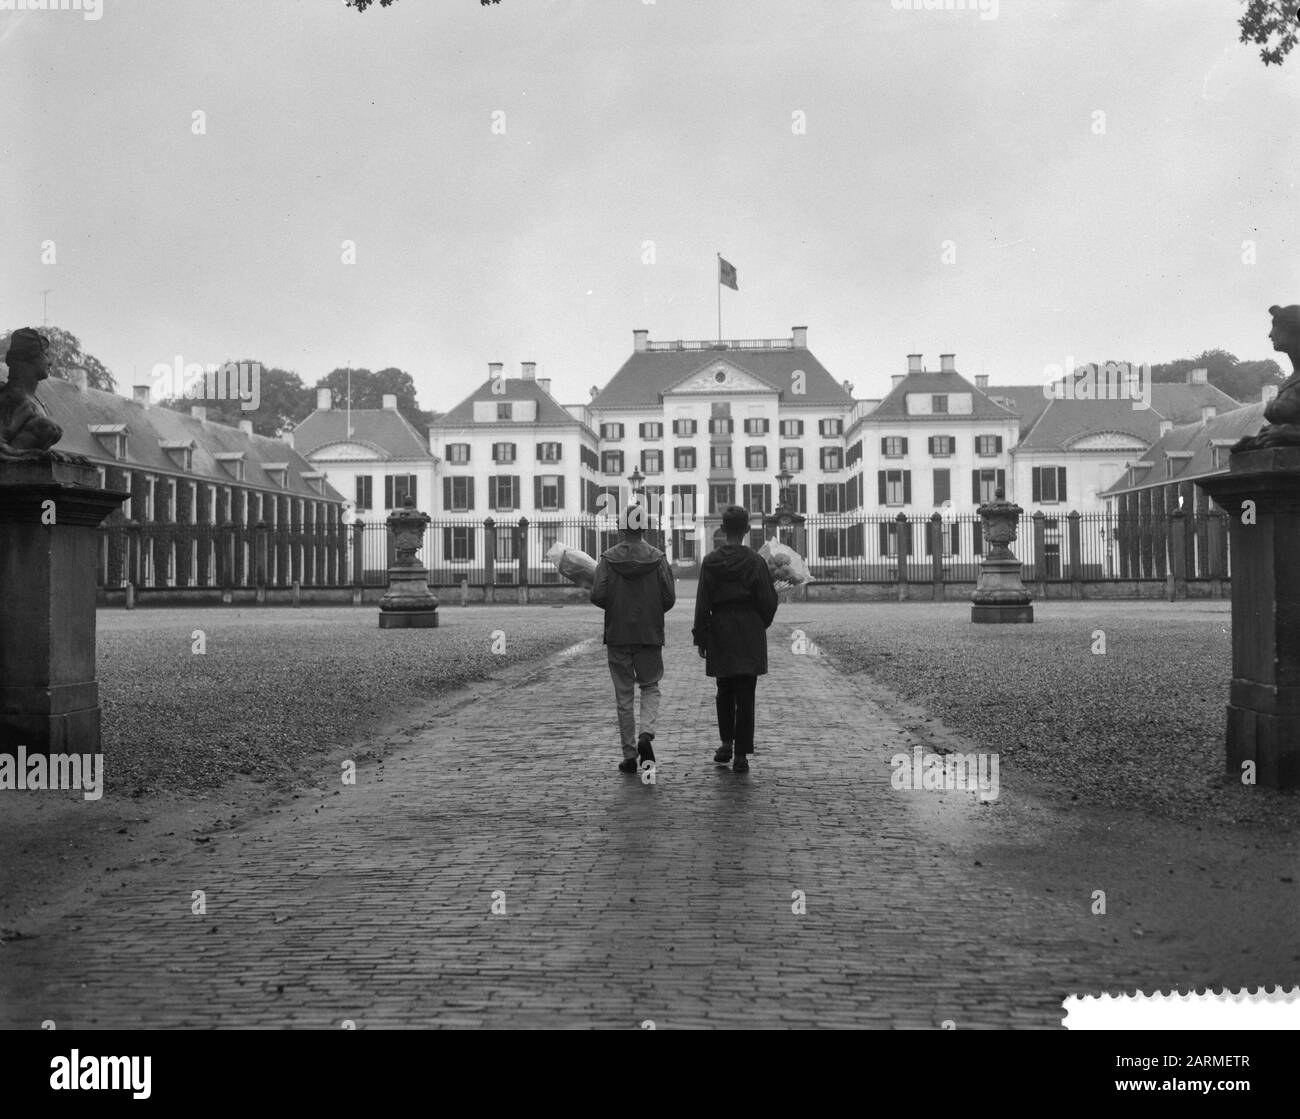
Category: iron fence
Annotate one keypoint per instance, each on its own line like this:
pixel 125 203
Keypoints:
pixel 846 547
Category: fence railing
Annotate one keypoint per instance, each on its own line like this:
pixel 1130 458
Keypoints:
pixel 845 547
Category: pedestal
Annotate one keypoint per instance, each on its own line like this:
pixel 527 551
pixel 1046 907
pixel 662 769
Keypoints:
pixel 1000 595
pixel 49 550
pixel 408 602
pixel 1263 717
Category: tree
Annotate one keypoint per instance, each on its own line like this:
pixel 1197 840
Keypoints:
pixel 1241 380
pixel 65 355
pixel 1266 20
pixel 369 390
pixel 283 400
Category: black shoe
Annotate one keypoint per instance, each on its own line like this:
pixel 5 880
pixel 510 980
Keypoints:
pixel 741 764
pixel 627 765
pixel 644 751
pixel 723 756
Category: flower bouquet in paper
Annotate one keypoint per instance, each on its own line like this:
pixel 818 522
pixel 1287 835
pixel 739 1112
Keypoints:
pixel 786 565
pixel 574 564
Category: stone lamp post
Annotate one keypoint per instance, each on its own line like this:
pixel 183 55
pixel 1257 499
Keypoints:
pixel 408 603
pixel 1000 596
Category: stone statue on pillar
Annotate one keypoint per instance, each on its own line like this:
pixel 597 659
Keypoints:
pixel 51 507
pixel 1283 411
pixel 26 431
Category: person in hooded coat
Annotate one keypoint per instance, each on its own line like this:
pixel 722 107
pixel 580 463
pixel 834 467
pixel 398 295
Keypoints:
pixel 634 585
pixel 734 606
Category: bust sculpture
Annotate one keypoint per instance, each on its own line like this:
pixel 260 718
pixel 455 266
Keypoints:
pixel 26 431
pixel 1283 411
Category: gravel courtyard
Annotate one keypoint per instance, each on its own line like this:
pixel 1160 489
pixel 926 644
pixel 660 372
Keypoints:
pixel 1138 726
pixel 276 687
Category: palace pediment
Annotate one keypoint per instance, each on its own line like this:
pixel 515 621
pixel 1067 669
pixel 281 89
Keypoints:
pixel 719 376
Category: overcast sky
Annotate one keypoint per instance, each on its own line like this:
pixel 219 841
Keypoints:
pixel 626 122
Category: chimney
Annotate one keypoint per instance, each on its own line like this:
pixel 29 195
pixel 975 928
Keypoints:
pixel 913 363
pixel 982 381
pixel 948 363
pixel 1166 426
pixel 1208 412
pixel 494 371
pixel 800 337
pixel 286 437
pixel 530 370
pixel 640 340
pixel 1269 393
pixel 595 391
pixel 324 400
pixel 390 402
pixel 140 393
pixel 199 411
pixel 545 382
pixel 897 380
pixel 246 426
pixel 77 377
pixel 1198 377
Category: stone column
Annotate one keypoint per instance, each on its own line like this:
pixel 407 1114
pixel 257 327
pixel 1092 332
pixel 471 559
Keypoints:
pixel 1076 556
pixel 1261 495
pixel 1176 580
pixel 904 539
pixel 489 560
pixel 935 530
pixel 522 561
pixel 1040 552
pixel 49 518
pixel 358 553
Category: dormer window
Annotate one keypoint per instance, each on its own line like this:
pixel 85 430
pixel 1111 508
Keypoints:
pixel 1175 461
pixel 182 454
pixel 233 463
pixel 316 480
pixel 112 437
pixel 278 472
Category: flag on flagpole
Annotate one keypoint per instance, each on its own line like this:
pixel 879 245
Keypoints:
pixel 727 274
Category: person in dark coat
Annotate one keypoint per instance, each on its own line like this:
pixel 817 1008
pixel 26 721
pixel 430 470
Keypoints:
pixel 634 585
pixel 734 607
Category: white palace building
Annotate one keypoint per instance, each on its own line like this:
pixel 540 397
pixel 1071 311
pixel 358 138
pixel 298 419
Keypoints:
pixel 694 425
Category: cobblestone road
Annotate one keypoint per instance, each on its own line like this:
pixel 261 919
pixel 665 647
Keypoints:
pixel 623 901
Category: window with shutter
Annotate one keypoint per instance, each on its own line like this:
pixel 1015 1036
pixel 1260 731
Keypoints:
pixel 907 487
pixel 942 487
pixel 1060 483
pixel 446 493
pixel 880 477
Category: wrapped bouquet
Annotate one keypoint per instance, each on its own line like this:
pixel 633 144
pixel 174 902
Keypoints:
pixel 787 566
pixel 574 564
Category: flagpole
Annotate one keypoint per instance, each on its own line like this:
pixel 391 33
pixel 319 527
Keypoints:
pixel 719 297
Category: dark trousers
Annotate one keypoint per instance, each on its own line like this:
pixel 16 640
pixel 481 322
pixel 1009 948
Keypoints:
pixel 736 711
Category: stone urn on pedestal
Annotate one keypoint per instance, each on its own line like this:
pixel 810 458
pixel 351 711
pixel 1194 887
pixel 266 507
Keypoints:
pixel 1000 596
pixel 408 603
